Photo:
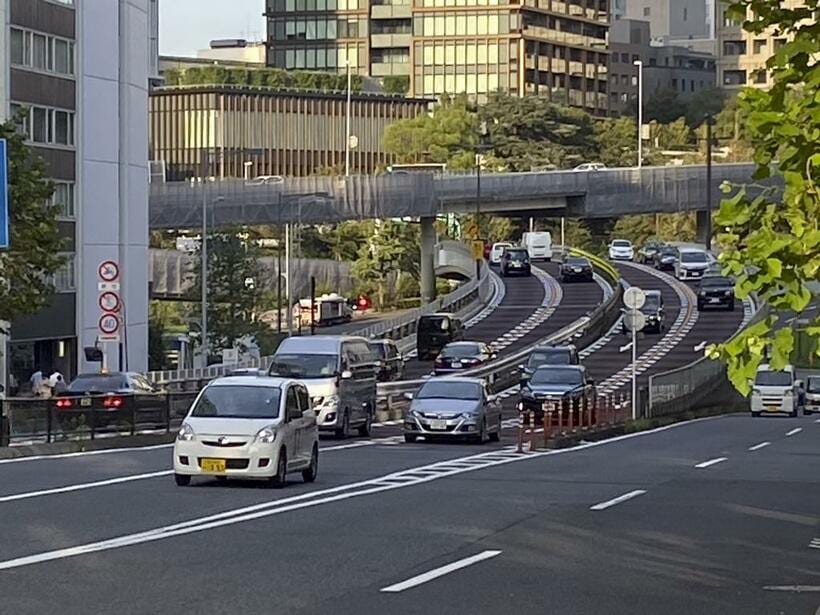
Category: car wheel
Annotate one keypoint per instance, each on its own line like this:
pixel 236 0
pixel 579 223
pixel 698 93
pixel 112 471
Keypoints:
pixel 344 430
pixel 309 475
pixel 182 480
pixel 409 438
pixel 364 430
pixel 807 412
pixel 700 306
pixel 279 479
pixel 756 414
pixel 496 435
pixel 793 413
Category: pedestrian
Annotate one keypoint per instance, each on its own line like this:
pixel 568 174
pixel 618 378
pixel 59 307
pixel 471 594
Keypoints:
pixel 36 381
pixel 59 386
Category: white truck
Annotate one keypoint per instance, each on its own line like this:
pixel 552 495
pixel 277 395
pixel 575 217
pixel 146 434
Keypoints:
pixel 776 391
pixel 538 244
pixel 328 310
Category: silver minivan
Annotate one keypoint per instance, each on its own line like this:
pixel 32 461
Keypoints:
pixel 340 373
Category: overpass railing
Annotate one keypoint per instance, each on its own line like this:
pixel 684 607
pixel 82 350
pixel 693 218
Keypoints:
pixel 396 329
pixel 702 383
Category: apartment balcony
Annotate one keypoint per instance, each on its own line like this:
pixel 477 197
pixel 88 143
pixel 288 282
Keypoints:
pixel 390 11
pixel 387 41
pixel 389 69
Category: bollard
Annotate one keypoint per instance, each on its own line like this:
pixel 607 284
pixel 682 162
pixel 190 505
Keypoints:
pixel 532 431
pixel 570 417
pixel 560 409
pixel 547 420
pixel 588 403
pixel 520 448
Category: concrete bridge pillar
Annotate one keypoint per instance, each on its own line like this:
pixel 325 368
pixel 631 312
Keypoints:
pixel 427 276
pixel 702 227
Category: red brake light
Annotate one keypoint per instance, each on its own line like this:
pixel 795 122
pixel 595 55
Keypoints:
pixel 63 403
pixel 112 402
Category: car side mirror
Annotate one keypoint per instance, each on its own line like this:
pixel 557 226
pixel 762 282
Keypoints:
pixel 797 383
pixel 2 389
pixel 346 375
pixel 408 396
pixel 522 367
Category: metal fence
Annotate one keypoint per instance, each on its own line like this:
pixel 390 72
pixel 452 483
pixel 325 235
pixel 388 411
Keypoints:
pixel 27 420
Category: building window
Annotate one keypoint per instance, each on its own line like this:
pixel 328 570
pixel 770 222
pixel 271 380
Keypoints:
pixel 45 125
pixel 734 77
pixel 760 45
pixel 761 77
pixel 63 198
pixel 734 48
pixel 42 52
pixel 64 279
pixel 778 43
pixel 685 13
pixel 647 11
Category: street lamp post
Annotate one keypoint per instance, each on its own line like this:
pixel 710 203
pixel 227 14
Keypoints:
pixel 482 134
pixel 347 121
pixel 709 122
pixel 639 64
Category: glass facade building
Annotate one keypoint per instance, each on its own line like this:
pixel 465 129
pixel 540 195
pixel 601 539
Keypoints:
pixel 553 48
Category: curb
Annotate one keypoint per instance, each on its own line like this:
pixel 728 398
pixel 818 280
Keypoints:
pixel 81 446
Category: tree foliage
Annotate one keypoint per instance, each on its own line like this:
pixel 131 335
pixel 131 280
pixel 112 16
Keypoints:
pixel 771 237
pixel 390 248
pixel 617 142
pixel 263 77
pixel 664 106
pixel 396 84
pixel 27 267
pixel 666 227
pixel 234 288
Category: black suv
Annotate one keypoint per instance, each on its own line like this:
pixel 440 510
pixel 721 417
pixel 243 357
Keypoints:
pixel 665 258
pixel 515 260
pixel 551 383
pixel 548 355
pixel 575 268
pixel 716 291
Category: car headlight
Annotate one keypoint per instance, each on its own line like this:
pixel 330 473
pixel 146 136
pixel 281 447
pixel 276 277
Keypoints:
pixel 789 393
pixel 756 392
pixel 266 436
pixel 329 402
pixel 728 293
pixel 186 433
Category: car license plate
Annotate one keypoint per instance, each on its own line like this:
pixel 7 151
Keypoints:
pixel 714 300
pixel 212 465
pixel 772 408
pixel 85 402
pixel 455 364
pixel 576 269
pixel 439 425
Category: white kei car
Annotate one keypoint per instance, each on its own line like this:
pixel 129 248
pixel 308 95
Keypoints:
pixel 248 427
pixel 497 250
pixel 621 250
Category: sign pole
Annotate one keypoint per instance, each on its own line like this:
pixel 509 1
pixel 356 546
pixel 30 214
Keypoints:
pixel 634 372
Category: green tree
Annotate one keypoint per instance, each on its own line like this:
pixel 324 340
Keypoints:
pixel 709 101
pixel 396 84
pixel 771 238
pixel 234 288
pixel 392 247
pixel 348 237
pixel 664 106
pixel 529 131
pixel 617 141
pixel 28 265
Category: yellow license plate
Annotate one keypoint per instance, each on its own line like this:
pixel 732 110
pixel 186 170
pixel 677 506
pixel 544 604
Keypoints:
pixel 212 465
pixel 85 402
pixel 772 408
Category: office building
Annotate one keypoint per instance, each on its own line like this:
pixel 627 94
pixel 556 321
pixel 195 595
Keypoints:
pixel 248 132
pixel 664 67
pixel 554 48
pixel 742 55
pixel 80 71
pixel 236 51
pixel 671 21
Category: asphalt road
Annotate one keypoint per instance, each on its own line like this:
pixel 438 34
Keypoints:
pixel 689 540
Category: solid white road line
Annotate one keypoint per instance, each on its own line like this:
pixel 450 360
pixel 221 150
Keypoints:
pixel 307 500
pixel 757 447
pixel 815 544
pixel 792 588
pixel 794 431
pixel 107 451
pixel 618 500
pixel 82 486
pixel 440 572
pixel 711 462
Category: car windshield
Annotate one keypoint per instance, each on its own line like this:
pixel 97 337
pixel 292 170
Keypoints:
pixel 621 243
pixel 238 402
pixel 448 389
pixel 667 252
pixel 550 375
pixel 434 324
pixel 769 378
pixel 500 246
pixel 716 282
pixel 652 303
pixel 517 254
pixel 98 383
pixel 461 350
pixel 549 357
pixel 379 349
pixel 813 385
pixel 577 262
pixel 693 257
pixel 304 365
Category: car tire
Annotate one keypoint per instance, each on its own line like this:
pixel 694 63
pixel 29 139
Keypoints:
pixel 756 414
pixel 364 430
pixel 182 480
pixel 279 479
pixel 410 438
pixel 807 412
pixel 700 306
pixel 344 431
pixel 496 435
pixel 309 475
pixel 793 413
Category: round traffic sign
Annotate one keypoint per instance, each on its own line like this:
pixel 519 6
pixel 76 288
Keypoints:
pixel 109 302
pixel 634 321
pixel 634 298
pixel 109 324
pixel 108 271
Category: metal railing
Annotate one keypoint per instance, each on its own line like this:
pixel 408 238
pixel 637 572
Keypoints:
pixel 396 329
pixel 690 387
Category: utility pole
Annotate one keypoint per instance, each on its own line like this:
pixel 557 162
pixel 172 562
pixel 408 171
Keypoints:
pixel 709 120
pixel 639 64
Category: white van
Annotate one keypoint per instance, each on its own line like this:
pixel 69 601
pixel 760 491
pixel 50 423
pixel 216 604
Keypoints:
pixel 775 391
pixel 538 244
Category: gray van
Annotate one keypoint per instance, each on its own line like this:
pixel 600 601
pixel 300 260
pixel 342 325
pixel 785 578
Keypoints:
pixel 340 373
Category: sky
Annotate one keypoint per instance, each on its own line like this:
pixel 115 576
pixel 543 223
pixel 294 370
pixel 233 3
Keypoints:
pixel 188 25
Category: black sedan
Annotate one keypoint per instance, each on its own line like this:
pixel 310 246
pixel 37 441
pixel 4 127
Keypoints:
pixel 562 385
pixel 665 258
pixel 515 261
pixel 716 291
pixel 646 254
pixel 576 268
pixel 459 356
